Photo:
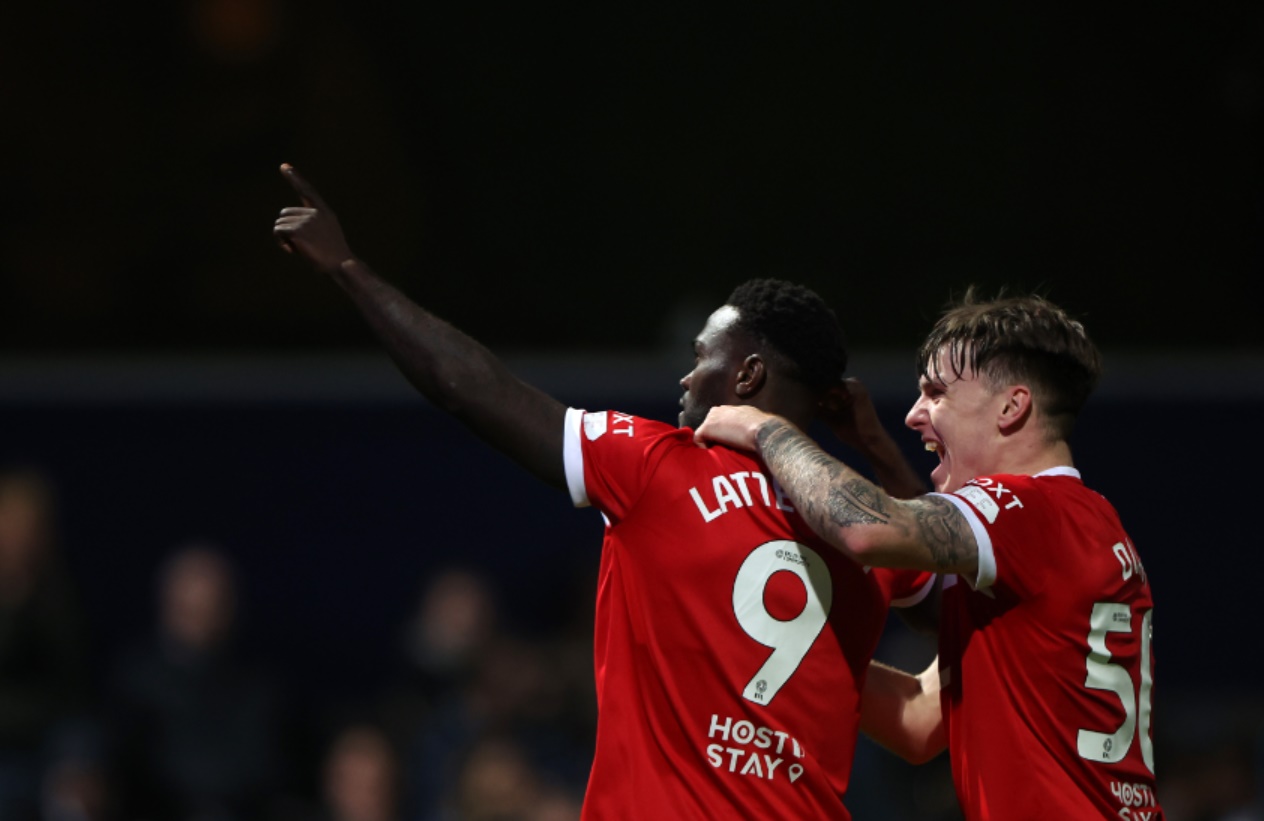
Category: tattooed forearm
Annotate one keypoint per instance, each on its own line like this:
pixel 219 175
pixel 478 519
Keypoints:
pixel 859 517
pixel 825 491
pixel 857 502
pixel 781 443
pixel 944 531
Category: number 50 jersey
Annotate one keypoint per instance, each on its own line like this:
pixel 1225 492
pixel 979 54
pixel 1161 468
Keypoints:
pixel 1045 658
pixel 731 643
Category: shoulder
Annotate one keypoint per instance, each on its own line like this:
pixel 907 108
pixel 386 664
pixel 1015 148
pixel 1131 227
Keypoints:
pixel 613 435
pixel 615 426
pixel 1030 493
pixel 610 456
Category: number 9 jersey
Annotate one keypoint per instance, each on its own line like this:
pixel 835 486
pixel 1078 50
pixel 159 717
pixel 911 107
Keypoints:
pixel 731 643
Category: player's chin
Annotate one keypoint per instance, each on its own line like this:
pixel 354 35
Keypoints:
pixel 690 417
pixel 941 479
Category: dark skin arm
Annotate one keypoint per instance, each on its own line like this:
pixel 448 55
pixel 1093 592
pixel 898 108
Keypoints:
pixel 850 414
pixel 455 372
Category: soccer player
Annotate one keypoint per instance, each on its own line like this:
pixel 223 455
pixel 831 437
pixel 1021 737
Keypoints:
pixel 1043 686
pixel 731 643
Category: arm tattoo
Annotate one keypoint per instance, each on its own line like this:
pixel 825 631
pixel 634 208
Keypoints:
pixel 944 531
pixel 831 496
pixel 826 492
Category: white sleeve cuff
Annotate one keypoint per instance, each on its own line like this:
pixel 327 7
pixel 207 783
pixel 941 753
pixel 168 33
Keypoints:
pixel 916 598
pixel 987 558
pixel 573 456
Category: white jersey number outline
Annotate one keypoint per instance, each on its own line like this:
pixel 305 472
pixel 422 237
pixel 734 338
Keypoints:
pixel 1103 674
pixel 791 639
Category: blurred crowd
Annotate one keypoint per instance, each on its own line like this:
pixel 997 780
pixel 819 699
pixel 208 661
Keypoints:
pixel 477 721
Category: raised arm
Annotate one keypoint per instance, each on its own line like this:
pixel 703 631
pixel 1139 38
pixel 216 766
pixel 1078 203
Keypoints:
pixel 850 414
pixel 902 712
pixel 455 372
pixel 845 508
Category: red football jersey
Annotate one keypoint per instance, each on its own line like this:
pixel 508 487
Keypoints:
pixel 1052 643
pixel 731 643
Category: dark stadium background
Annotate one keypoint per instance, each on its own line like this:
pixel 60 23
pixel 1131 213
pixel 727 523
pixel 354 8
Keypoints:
pixel 577 185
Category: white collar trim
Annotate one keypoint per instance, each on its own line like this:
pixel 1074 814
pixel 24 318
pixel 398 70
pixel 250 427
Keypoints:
pixel 1061 470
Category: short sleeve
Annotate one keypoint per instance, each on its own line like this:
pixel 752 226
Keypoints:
pixel 1012 518
pixel 983 539
pixel 609 456
pixel 904 588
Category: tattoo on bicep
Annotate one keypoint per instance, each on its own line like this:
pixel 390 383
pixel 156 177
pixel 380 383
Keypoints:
pixel 944 531
pixel 825 490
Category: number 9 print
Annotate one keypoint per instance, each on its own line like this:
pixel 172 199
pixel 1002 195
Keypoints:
pixel 791 639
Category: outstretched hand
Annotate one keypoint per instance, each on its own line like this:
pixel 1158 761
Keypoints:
pixel 312 231
pixel 736 426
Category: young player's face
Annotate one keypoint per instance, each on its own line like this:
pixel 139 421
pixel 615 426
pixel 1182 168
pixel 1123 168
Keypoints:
pixel 956 417
pixel 716 361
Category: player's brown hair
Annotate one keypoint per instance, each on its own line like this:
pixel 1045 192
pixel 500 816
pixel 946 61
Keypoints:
pixel 1018 339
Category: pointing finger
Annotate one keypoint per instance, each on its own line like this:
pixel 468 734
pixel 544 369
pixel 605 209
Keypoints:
pixel 303 188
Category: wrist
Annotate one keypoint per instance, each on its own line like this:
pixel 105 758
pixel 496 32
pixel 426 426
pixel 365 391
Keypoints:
pixel 766 429
pixel 349 269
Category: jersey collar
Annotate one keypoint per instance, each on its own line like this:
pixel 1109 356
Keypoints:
pixel 1061 470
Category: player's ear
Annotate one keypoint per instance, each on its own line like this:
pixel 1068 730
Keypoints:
pixel 751 376
pixel 1016 409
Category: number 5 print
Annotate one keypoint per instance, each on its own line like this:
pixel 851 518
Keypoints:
pixel 1103 674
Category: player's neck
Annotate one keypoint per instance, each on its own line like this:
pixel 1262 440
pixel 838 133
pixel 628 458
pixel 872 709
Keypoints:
pixel 789 401
pixel 1030 457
